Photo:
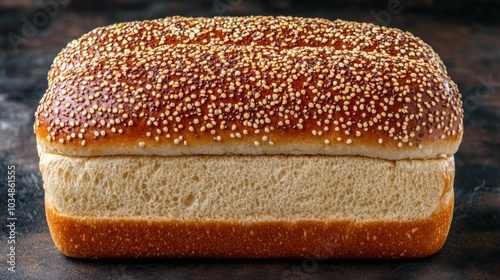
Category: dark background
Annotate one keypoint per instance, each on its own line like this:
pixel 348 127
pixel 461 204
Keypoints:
pixel 466 34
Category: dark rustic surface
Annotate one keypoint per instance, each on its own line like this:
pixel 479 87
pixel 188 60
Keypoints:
pixel 466 36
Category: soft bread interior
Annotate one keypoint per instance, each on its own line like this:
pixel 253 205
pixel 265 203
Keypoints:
pixel 246 188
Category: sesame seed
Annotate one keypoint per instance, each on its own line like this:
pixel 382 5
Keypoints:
pixel 352 79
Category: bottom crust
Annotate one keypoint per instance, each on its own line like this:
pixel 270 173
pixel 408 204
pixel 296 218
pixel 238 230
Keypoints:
pixel 84 237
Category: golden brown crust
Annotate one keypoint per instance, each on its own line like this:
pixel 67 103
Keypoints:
pixel 86 237
pixel 236 99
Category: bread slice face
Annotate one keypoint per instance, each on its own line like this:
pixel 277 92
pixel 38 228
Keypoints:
pixel 247 206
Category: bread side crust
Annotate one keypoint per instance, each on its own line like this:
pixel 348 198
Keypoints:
pixel 283 145
pixel 85 237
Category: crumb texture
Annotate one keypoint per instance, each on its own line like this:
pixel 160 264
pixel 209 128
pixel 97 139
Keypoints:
pixel 246 189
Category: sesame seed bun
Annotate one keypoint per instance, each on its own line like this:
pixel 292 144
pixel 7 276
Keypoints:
pixel 337 103
pixel 214 98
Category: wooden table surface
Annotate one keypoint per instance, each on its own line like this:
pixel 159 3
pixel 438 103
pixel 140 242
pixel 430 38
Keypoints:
pixel 466 37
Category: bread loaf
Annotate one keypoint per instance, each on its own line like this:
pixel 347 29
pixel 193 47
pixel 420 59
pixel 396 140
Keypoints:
pixel 248 137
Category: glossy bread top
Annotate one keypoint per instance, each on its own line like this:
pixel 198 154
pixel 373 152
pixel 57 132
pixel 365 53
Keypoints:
pixel 342 89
